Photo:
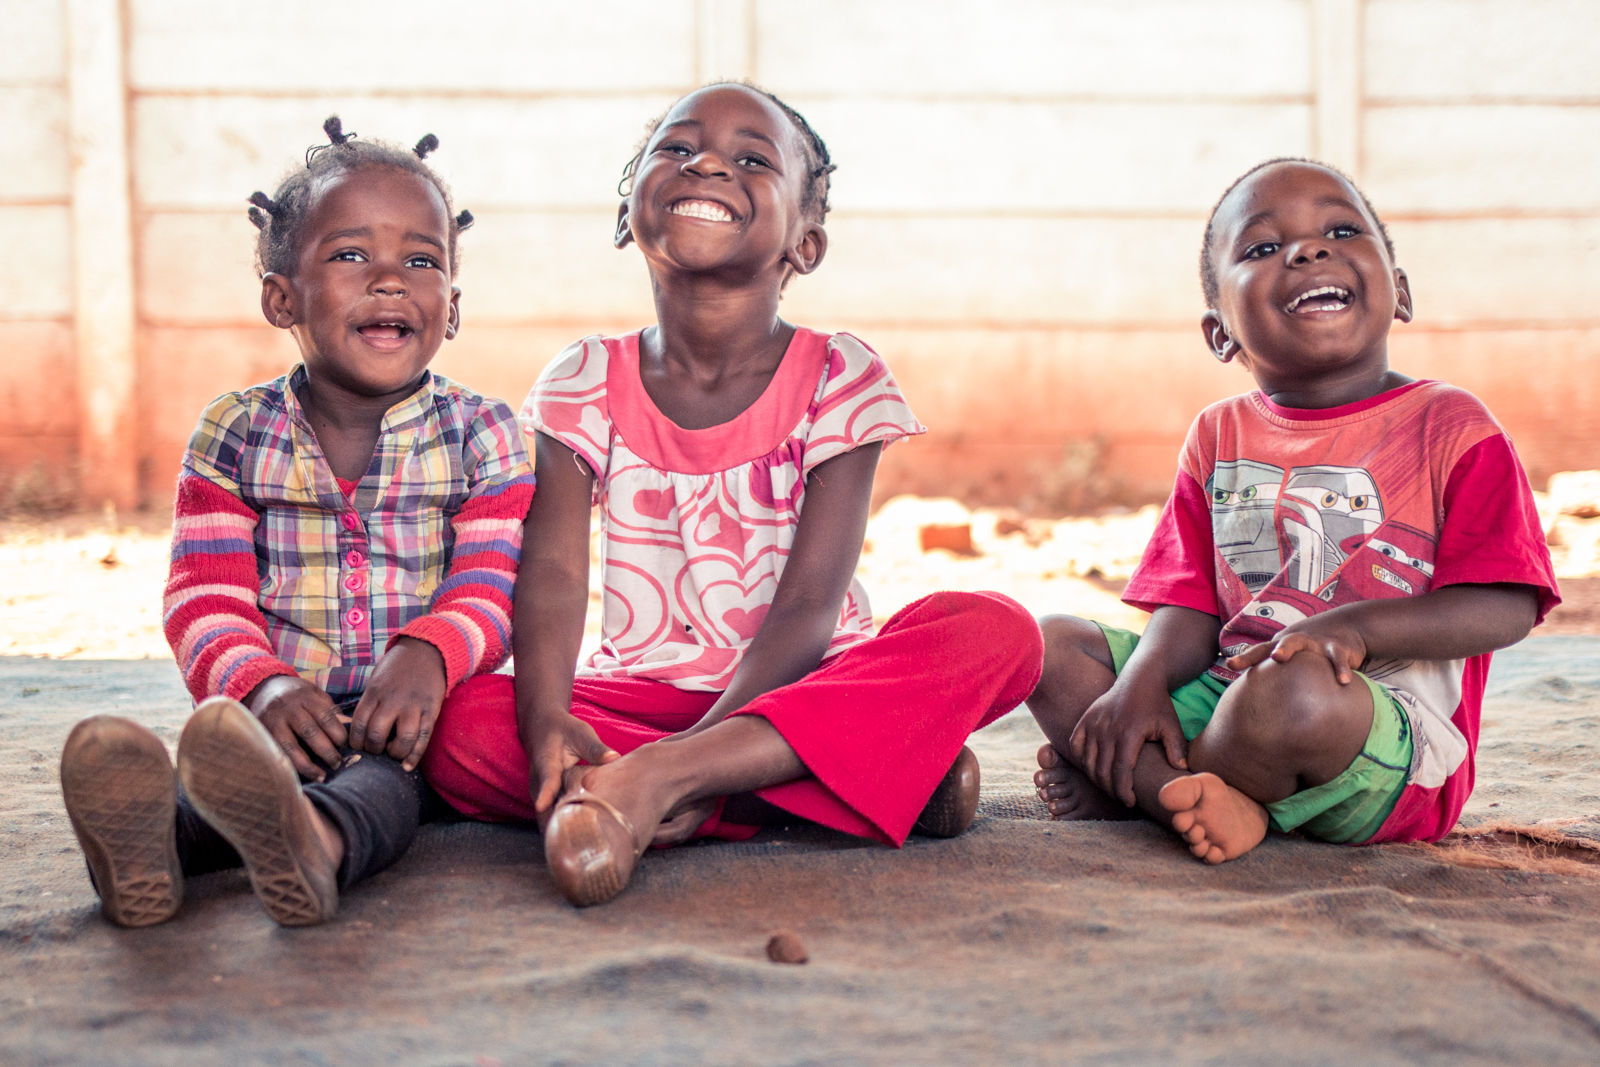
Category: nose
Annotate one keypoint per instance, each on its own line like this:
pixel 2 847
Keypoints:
pixel 388 285
pixel 1311 250
pixel 707 165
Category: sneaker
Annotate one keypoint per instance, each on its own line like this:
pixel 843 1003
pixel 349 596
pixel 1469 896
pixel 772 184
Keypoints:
pixel 122 798
pixel 240 782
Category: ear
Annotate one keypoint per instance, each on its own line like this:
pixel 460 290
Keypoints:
pixel 1221 343
pixel 1402 296
pixel 805 255
pixel 453 322
pixel 624 235
pixel 277 300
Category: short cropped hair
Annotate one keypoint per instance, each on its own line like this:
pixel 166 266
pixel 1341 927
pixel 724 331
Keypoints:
pixel 1208 267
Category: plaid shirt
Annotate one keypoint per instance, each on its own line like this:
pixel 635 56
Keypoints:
pixel 275 571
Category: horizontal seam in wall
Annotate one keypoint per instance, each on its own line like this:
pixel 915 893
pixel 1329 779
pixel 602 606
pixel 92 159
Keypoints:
pixel 483 210
pixel 1183 326
pixel 64 317
pixel 486 93
pixel 137 93
pixel 1386 102
pixel 35 201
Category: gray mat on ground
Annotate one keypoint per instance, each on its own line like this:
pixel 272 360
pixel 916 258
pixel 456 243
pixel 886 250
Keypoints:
pixel 1021 942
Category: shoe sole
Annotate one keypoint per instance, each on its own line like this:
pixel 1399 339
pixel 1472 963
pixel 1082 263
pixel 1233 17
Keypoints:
pixel 240 782
pixel 583 863
pixel 121 795
pixel 954 804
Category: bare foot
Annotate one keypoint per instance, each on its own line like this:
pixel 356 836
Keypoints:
pixel 675 829
pixel 1070 795
pixel 680 825
pixel 1219 822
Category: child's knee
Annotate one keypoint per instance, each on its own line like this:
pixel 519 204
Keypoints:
pixel 1069 641
pixel 472 717
pixel 1292 713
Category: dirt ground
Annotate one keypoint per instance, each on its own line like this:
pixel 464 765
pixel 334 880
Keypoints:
pixel 1022 942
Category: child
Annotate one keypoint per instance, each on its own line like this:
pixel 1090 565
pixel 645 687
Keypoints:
pixel 345 542
pixel 1345 516
pixel 732 456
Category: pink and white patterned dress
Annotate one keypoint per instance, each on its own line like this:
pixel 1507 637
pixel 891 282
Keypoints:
pixel 697 524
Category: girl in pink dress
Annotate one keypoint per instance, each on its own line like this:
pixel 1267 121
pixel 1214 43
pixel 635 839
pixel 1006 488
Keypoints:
pixel 732 457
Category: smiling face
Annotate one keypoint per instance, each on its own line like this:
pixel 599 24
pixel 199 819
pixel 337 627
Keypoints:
pixel 370 299
pixel 1306 287
pixel 719 188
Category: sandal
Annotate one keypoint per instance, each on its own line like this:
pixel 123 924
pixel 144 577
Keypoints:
pixel 954 804
pixel 585 866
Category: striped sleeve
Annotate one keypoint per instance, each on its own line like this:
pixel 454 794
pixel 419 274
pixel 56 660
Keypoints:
pixel 470 619
pixel 209 612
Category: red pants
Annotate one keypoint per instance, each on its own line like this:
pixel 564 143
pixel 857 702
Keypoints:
pixel 877 725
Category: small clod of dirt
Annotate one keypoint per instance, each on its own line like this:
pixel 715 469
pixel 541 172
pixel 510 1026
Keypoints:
pixel 785 947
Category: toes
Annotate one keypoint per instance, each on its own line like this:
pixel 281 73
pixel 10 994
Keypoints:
pixel 1215 856
pixel 1182 821
pixel 1049 757
pixel 1194 835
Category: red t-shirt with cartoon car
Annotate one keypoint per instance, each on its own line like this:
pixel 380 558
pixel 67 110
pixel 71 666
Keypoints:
pixel 1281 513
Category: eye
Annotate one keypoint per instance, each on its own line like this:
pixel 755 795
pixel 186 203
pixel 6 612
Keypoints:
pixel 1247 493
pixel 1262 249
pixel 752 160
pixel 676 148
pixel 421 262
pixel 1344 231
pixel 1220 496
pixel 1359 503
pixel 348 255
pixel 1329 499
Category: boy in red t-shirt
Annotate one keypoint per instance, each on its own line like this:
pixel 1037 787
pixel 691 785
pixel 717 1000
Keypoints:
pixel 1355 543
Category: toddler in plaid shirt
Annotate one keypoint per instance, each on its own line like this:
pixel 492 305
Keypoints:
pixel 343 553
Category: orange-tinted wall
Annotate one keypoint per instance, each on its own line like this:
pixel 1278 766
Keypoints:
pixel 1018 208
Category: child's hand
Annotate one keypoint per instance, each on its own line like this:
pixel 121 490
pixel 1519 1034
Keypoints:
pixel 297 713
pixel 403 695
pixel 1109 737
pixel 562 741
pixel 1327 636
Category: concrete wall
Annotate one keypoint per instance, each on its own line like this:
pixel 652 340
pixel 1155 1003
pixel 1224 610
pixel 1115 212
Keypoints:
pixel 1021 192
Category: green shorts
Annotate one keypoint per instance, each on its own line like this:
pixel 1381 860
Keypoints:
pixel 1347 810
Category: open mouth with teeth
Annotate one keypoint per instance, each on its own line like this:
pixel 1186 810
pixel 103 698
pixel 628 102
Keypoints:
pixel 385 331
pixel 709 210
pixel 1322 299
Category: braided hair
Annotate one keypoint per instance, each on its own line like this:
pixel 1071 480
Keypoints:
pixel 819 167
pixel 281 216
pixel 1208 266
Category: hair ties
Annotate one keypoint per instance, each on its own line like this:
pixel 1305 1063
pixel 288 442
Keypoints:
pixel 428 144
pixel 336 137
pixel 464 220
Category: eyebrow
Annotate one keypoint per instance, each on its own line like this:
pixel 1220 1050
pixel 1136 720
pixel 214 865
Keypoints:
pixel 1322 201
pixel 742 132
pixel 366 231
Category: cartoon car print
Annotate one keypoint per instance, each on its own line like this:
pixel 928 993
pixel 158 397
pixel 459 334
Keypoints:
pixel 1327 511
pixel 1397 560
pixel 1244 495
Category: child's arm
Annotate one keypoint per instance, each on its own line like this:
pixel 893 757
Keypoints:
pixel 1450 623
pixel 219 635
pixel 805 608
pixel 549 604
pixel 1178 645
pixel 468 624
